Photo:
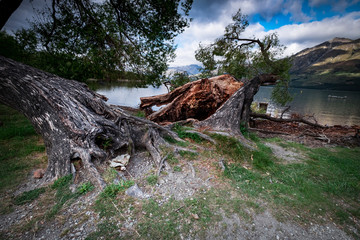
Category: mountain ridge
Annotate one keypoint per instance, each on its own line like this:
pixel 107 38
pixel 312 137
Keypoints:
pixel 333 64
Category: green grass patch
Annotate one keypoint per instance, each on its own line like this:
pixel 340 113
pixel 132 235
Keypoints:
pixel 173 141
pixel 189 155
pixel 309 188
pixel 29 196
pixel 64 195
pixel 182 133
pixel 140 114
pixel 113 189
pixel 177 169
pixel 152 180
pixel 18 140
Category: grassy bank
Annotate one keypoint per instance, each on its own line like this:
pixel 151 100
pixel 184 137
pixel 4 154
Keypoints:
pixel 321 185
pixel 21 149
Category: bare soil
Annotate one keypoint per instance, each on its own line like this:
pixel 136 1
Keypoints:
pixel 309 135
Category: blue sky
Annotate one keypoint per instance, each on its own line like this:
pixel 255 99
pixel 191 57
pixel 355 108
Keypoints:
pixel 299 24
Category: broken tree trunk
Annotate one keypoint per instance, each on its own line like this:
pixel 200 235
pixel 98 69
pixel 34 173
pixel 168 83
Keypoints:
pixel 199 99
pixel 75 122
pixel 236 110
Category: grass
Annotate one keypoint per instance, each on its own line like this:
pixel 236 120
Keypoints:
pixel 182 133
pixel 309 189
pixel 29 196
pixel 152 180
pixel 325 185
pixel 18 140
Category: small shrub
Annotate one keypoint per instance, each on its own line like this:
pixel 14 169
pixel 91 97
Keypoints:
pixel 140 114
pixel 177 169
pixel 61 182
pixel 85 187
pixel 112 190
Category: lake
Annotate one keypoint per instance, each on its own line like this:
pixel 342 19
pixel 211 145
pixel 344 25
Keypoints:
pixel 327 110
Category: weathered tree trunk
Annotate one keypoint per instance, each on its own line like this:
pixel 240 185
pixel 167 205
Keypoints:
pixel 236 110
pixel 74 122
pixel 198 99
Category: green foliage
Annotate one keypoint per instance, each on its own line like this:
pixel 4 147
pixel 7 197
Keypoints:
pixel 178 79
pixel 188 154
pixel 63 194
pixel 29 196
pixel 172 159
pixel 62 182
pixel 245 57
pixel 106 39
pixel 113 189
pixel 85 188
pixel 152 179
pixel 182 133
pixel 303 187
pixel 140 114
pixel 103 141
pixel 177 169
pixel 18 140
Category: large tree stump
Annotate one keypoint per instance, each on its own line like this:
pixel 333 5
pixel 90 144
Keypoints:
pixel 74 121
pixel 199 99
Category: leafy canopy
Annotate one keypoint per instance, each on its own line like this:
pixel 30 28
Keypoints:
pixel 246 57
pixel 112 36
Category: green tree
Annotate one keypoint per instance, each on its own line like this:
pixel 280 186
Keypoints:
pixel 246 58
pixel 113 36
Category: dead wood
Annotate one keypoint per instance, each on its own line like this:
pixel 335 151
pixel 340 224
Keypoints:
pixel 198 99
pixel 300 120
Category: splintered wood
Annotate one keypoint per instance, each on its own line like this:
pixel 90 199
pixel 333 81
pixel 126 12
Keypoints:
pixel 198 99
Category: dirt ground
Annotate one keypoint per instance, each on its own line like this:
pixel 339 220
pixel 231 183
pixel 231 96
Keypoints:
pixel 78 220
pixel 310 135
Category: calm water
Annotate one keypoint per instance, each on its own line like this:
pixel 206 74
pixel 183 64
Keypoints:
pixel 330 111
pixel 326 110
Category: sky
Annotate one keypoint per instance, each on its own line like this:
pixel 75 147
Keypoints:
pixel 299 24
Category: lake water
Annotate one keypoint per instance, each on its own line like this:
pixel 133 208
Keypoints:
pixel 327 110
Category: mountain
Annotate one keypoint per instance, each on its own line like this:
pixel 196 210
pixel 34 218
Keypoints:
pixel 192 69
pixel 333 64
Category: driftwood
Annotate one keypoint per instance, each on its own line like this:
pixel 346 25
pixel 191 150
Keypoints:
pixel 199 99
pixel 300 120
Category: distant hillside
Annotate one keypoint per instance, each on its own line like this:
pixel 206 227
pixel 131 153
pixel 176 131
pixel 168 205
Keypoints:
pixel 192 69
pixel 334 64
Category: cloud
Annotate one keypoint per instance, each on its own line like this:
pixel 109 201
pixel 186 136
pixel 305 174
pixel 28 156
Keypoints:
pixel 265 8
pixel 295 37
pixel 337 5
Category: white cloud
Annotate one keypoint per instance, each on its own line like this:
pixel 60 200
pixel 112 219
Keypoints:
pixel 295 36
pixel 299 36
pixel 188 42
pixel 266 8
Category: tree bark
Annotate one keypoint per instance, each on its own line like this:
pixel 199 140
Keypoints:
pixel 198 99
pixel 74 121
pixel 236 110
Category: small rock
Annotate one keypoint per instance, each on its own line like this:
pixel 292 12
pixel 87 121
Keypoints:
pixel 136 192
pixel 39 173
pixel 120 161
pixel 195 216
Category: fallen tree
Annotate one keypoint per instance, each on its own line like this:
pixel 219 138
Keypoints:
pixel 199 99
pixel 75 122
